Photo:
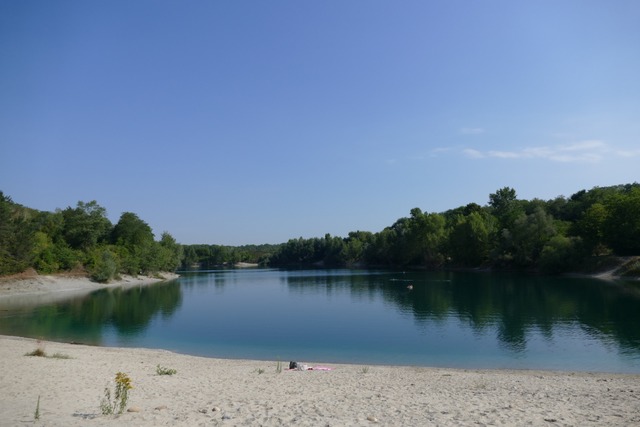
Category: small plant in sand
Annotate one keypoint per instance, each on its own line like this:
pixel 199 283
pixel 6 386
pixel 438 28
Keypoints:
pixel 160 370
pixel 39 352
pixel 60 356
pixel 36 415
pixel 365 369
pixel 120 398
pixel 279 367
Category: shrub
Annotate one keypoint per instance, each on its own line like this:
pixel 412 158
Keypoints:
pixel 105 266
pixel 560 254
pixel 165 371
pixel 39 352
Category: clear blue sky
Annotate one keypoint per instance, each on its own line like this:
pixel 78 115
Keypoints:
pixel 240 122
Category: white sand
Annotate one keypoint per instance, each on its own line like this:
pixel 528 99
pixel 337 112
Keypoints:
pixel 234 392
pixel 211 392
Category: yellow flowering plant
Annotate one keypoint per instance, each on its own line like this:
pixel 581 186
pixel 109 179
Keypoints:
pixel 120 398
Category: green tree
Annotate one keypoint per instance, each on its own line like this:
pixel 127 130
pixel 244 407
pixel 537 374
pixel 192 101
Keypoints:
pixel 51 252
pixel 382 250
pixel 505 206
pixel 469 239
pixel 190 256
pixel 103 265
pixel 425 238
pixel 44 253
pixel 591 228
pixel 622 225
pixel 528 236
pixel 333 251
pixel 131 231
pixel 561 254
pixel 135 244
pixel 171 253
pixel 8 262
pixel 86 225
pixel 16 237
pixel 355 246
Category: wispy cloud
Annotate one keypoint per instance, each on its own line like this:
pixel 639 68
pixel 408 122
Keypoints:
pixel 439 150
pixel 470 152
pixel 628 153
pixel 471 131
pixel 590 151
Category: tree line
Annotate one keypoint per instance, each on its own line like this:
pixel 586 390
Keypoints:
pixel 81 238
pixel 552 236
pixel 204 256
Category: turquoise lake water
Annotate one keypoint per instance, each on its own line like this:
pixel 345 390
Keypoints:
pixel 467 320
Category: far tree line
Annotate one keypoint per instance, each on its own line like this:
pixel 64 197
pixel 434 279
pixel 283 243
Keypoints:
pixel 553 236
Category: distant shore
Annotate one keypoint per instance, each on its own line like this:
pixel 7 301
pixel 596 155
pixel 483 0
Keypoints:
pixel 246 265
pixel 30 288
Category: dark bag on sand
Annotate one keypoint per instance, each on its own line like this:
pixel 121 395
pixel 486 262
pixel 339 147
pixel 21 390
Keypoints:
pixel 293 365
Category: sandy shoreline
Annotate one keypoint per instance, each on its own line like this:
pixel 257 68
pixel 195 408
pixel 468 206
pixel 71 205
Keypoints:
pixel 40 289
pixel 207 391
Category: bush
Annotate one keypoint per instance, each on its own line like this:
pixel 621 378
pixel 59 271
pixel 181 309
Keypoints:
pixel 560 254
pixel 105 266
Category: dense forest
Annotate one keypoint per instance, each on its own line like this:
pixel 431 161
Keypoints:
pixel 553 236
pixel 81 238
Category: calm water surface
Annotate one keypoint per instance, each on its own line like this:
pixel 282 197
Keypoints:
pixel 362 317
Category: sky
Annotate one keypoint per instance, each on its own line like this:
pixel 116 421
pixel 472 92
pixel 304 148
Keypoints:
pixel 250 122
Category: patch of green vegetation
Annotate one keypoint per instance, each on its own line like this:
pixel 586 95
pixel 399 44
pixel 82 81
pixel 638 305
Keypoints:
pixel 60 356
pixel 39 352
pixel 160 370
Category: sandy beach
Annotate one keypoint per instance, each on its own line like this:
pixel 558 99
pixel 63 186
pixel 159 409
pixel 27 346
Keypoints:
pixel 70 382
pixel 207 391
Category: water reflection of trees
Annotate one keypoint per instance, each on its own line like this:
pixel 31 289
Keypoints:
pixel 512 305
pixel 204 278
pixel 129 311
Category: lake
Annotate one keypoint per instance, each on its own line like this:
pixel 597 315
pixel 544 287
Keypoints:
pixel 463 320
